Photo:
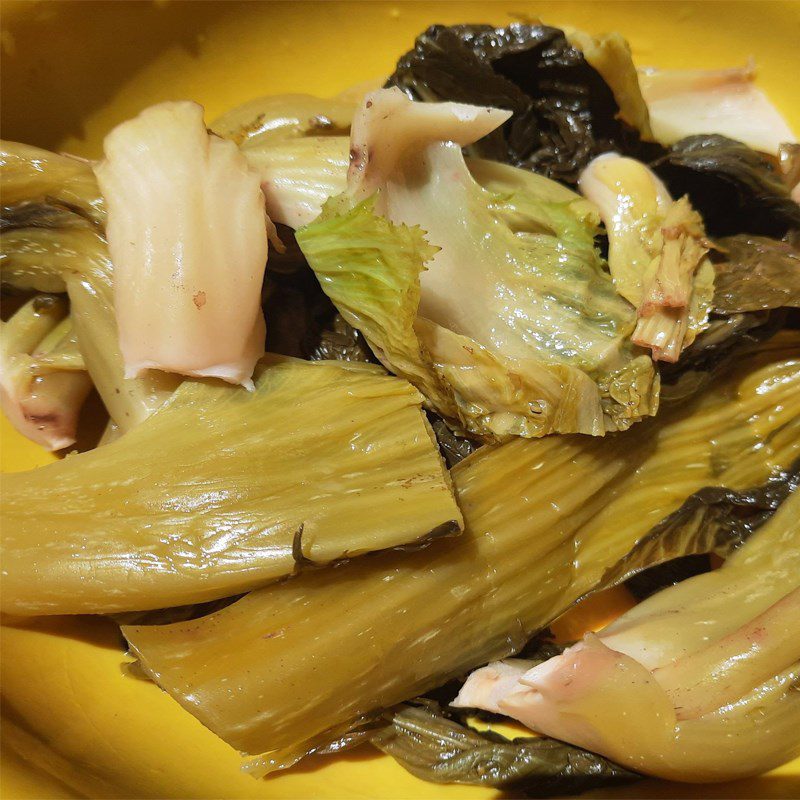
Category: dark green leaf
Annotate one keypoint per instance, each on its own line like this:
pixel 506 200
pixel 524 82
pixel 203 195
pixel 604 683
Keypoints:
pixel 715 349
pixel 736 189
pixel 564 112
pixel 454 448
pixel 714 520
pixel 757 273
pixel 436 748
pixel 653 580
pixel 342 342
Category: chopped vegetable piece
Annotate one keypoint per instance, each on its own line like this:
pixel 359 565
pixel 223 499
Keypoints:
pixel 545 519
pixel 32 175
pixel 299 175
pixel 657 253
pixel 496 306
pixel 564 111
pixel 611 56
pixel 223 490
pixel 757 273
pixel 428 742
pixel 186 230
pixel 726 101
pixel 438 749
pixel 707 695
pixel 43 382
pixel 735 189
pixel 45 245
pixel 272 119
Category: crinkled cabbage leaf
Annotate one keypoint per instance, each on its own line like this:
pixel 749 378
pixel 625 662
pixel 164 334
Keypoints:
pixel 496 305
pixel 222 490
pixel 544 520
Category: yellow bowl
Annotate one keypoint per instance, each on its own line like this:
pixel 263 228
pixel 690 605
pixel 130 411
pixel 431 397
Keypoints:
pixel 73 724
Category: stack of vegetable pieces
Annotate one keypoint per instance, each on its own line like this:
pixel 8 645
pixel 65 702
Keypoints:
pixel 696 683
pixel 580 510
pixel 213 491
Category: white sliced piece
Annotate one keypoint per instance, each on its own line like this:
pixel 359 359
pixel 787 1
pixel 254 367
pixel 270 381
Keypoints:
pixel 187 232
pixel 725 101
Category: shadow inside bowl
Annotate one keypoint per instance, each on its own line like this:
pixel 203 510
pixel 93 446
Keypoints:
pixel 97 631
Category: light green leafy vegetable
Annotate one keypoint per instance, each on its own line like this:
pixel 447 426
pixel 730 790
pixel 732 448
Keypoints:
pixel 496 305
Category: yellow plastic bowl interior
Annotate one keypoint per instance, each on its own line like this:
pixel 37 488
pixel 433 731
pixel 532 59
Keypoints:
pixel 73 724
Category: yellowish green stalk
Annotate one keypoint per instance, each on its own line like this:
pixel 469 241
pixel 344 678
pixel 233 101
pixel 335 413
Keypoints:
pixel 544 521
pixel 223 490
